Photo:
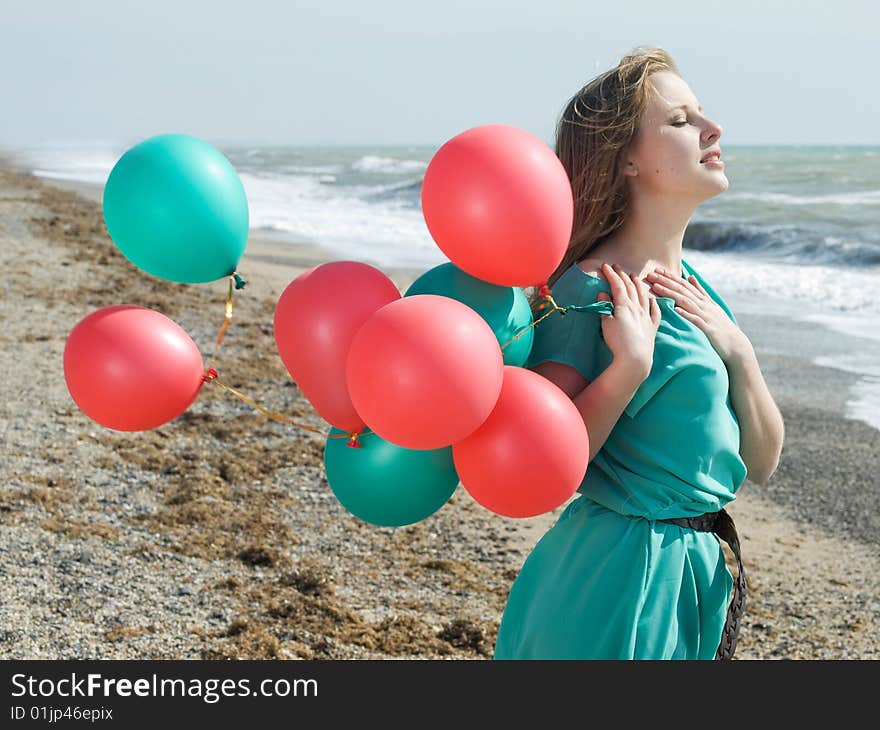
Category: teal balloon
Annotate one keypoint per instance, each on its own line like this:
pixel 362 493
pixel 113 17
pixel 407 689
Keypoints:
pixel 385 484
pixel 176 208
pixel 505 308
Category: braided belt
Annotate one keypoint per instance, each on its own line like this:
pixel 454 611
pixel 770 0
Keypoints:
pixel 722 525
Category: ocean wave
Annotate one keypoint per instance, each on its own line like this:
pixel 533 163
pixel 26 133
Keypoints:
pixel 337 217
pixel 314 169
pixel 789 243
pixel 67 162
pixel 803 289
pixel 375 163
pixel 407 192
pixel 858 197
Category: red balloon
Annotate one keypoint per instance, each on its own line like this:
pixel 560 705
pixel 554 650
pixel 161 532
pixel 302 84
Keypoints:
pixel 424 371
pixel 498 203
pixel 532 452
pixel 316 318
pixel 131 368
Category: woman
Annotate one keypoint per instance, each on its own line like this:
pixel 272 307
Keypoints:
pixel 670 390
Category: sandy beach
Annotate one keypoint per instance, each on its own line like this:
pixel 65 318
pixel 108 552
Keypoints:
pixel 217 535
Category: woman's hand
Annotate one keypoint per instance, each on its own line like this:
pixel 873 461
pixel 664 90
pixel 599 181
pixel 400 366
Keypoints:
pixel 694 304
pixel 630 332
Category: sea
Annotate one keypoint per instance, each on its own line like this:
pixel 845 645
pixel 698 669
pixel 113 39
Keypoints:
pixel 797 233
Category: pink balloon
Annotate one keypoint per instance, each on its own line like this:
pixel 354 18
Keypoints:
pixel 131 368
pixel 498 203
pixel 424 371
pixel 316 318
pixel 531 454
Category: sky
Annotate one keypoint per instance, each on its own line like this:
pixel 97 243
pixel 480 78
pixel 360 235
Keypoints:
pixel 390 72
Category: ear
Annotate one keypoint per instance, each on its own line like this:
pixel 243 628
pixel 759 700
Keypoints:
pixel 631 169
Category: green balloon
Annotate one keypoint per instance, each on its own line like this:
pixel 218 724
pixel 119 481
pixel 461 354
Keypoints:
pixel 505 308
pixel 385 484
pixel 176 208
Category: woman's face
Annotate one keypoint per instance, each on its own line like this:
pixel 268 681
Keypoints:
pixel 664 158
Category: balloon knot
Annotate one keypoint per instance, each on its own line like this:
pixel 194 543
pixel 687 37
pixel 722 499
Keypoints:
pixel 210 374
pixel 239 282
pixel 544 291
pixel 353 442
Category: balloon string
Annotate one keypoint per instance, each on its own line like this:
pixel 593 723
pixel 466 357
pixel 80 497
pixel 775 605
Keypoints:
pixel 238 283
pixel 598 307
pixel 223 327
pixel 549 303
pixel 210 376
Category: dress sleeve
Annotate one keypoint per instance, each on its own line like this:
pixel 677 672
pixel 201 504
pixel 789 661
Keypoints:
pixel 574 339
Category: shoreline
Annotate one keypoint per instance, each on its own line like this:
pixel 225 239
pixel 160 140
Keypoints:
pixel 225 519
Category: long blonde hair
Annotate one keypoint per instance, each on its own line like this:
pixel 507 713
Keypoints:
pixel 593 135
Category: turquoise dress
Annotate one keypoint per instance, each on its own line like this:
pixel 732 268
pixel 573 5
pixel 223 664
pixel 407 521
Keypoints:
pixel 608 581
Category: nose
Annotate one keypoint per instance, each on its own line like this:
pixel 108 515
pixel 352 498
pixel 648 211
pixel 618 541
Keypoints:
pixel 712 132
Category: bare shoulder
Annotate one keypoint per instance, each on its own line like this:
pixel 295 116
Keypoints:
pixel 593 267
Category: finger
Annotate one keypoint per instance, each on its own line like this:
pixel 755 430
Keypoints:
pixel 627 283
pixel 693 280
pixel 691 316
pixel 670 282
pixel 604 296
pixel 685 286
pixel 618 290
pixel 678 295
pixel 642 290
pixel 655 311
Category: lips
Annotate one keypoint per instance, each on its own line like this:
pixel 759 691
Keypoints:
pixel 713 155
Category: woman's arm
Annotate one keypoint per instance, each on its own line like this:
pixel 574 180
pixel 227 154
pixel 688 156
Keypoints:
pixel 603 401
pixel 762 430
pixel 600 402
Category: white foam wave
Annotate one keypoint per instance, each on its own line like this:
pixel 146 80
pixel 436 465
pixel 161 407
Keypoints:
pixel 92 165
pixel 840 297
pixel 384 233
pixel 864 405
pixel 375 163
pixel 315 169
pixel 859 197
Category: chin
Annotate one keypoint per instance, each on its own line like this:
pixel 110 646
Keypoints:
pixel 720 185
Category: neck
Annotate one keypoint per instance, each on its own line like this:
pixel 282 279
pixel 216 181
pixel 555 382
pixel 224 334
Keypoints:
pixel 650 236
